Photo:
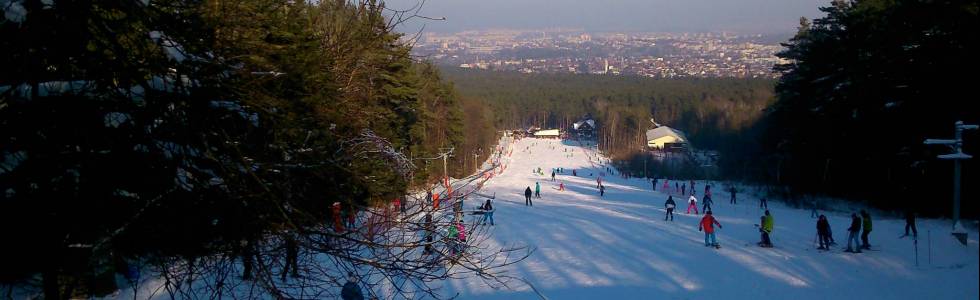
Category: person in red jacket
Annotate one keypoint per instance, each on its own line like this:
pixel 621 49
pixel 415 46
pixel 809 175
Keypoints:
pixel 707 224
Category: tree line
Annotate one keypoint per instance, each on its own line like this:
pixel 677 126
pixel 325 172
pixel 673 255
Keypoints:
pixel 708 110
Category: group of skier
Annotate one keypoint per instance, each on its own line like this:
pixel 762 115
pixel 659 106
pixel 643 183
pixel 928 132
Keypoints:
pixel 861 224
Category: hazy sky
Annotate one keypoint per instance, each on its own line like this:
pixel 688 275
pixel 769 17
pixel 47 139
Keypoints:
pixel 743 16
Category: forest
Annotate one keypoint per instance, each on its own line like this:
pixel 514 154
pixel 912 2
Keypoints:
pixel 175 139
pixel 709 111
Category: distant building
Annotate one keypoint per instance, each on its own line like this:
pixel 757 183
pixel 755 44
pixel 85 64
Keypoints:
pixel 547 133
pixel 666 138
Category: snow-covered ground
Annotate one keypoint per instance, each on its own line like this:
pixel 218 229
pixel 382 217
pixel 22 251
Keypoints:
pixel 619 246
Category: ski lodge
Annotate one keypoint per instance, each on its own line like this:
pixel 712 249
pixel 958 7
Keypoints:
pixel 547 133
pixel 666 138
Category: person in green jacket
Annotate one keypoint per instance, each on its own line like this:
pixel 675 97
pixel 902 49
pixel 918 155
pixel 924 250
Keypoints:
pixel 537 190
pixel 866 220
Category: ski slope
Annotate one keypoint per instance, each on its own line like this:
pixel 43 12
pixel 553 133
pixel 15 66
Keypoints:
pixel 619 246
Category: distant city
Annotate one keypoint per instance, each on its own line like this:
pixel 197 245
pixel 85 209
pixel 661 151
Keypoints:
pixel 658 55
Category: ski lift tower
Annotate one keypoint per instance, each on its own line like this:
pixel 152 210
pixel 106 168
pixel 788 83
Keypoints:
pixel 956 145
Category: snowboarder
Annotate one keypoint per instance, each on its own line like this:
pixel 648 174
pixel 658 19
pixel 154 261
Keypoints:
pixel 670 208
pixel 527 197
pixel 866 220
pixel 765 228
pixel 763 203
pixel 823 232
pixel 692 203
pixel 351 290
pixel 705 202
pixel 602 190
pixel 910 223
pixel 487 209
pixel 707 224
pixel 537 190
pixel 852 234
pixel 732 201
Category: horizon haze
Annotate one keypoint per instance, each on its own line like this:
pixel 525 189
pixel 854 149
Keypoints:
pixel 749 16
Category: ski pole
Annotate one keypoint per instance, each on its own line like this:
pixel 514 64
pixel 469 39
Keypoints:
pixel 915 243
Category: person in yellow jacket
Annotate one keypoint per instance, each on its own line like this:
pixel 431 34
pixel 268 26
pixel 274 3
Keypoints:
pixel 765 229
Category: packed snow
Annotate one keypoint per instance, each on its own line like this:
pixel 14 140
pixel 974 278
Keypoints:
pixel 618 246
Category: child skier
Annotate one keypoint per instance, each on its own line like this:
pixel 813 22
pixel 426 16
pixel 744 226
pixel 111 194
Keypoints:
pixel 670 208
pixel 692 203
pixel 707 224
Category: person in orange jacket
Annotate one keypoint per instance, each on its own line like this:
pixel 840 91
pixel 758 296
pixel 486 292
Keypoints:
pixel 707 224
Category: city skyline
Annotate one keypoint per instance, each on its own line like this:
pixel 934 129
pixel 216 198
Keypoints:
pixel 750 16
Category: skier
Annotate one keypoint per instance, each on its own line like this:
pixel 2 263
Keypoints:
pixel 537 190
pixel 867 229
pixel 910 223
pixel 666 185
pixel 351 290
pixel 765 229
pixel 823 232
pixel 705 202
pixel 292 253
pixel 677 187
pixel 428 235
pixel 452 238
pixel 602 190
pixel 763 203
pixel 561 186
pixel 706 224
pixel 813 208
pixel 574 173
pixel 487 209
pixel 683 189
pixel 852 234
pixel 598 182
pixel 655 184
pixel 552 175
pixel 692 203
pixel 670 208
pixel 527 197
pixel 732 201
